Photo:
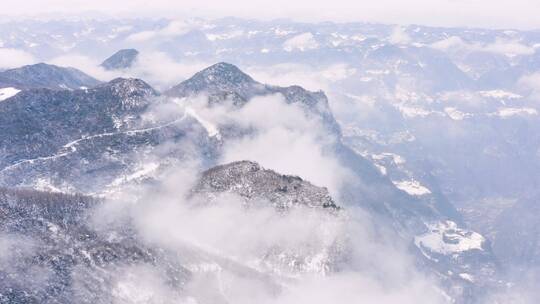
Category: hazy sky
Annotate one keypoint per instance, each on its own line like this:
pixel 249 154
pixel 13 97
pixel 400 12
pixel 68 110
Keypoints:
pixel 475 13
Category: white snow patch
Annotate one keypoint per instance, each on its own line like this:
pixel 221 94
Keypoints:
pixel 131 291
pixel 397 159
pixel 509 112
pixel 412 187
pixel 117 121
pixel 500 94
pixel 467 277
pixel 446 238
pixel 6 93
pixel 224 36
pixel 358 37
pixel 302 42
pixel 366 79
pixel 204 267
pixel 401 137
pixel 455 114
pixel 141 172
pixel 412 112
pixel 86 255
pixel 46 185
pixel 382 169
pixel 404 95
pixel 281 32
pixel 53 228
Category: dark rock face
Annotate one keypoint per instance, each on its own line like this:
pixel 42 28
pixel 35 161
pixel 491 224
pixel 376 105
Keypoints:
pixel 123 59
pixel 252 182
pixel 43 75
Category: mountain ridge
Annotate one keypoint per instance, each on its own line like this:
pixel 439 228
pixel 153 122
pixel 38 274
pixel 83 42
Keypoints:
pixel 42 75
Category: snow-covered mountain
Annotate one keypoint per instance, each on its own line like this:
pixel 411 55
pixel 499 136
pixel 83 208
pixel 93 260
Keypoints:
pixel 43 75
pixel 430 131
pixel 96 140
pixel 52 250
pixel 123 59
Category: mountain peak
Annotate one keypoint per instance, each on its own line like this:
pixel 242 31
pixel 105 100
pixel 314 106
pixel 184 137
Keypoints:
pixel 224 81
pixel 38 68
pixel 218 78
pixel 122 59
pixel 221 73
pixel 130 87
pixel 252 182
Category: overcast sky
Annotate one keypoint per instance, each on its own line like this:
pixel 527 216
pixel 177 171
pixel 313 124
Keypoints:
pixel 523 14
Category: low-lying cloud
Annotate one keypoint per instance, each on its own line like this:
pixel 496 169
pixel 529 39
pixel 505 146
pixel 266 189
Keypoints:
pixel 243 253
pixel 13 58
pixel 240 253
pixel 174 28
pixel 157 68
